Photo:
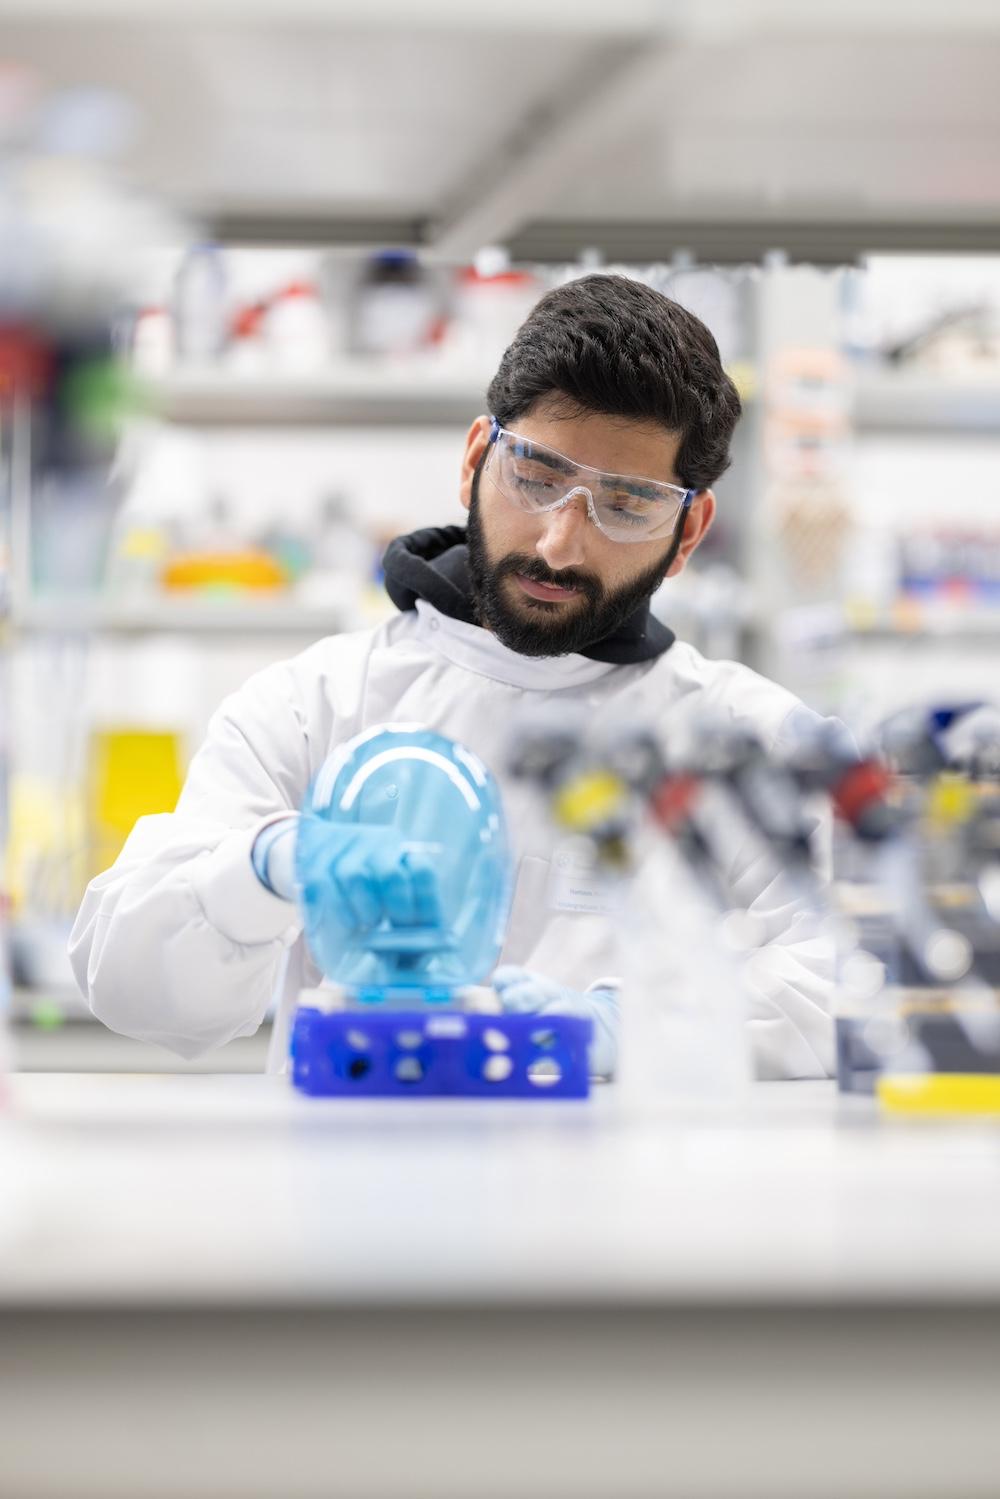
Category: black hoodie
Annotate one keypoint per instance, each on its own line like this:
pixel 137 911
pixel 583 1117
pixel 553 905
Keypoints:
pixel 433 564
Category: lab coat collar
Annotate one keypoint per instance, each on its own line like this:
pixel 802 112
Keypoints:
pixel 433 565
pixel 478 650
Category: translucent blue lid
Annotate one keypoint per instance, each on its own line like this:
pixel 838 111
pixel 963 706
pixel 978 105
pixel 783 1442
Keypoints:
pixel 444 805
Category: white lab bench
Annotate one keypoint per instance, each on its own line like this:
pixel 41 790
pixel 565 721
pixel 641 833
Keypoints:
pixel 211 1286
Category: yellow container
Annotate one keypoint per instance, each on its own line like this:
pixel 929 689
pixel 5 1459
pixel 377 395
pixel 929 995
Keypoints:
pixel 940 1093
pixel 131 773
pixel 240 571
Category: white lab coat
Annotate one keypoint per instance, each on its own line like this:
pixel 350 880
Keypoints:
pixel 179 943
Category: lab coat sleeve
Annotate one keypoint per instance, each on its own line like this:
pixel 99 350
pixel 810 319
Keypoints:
pixel 791 981
pixel 178 942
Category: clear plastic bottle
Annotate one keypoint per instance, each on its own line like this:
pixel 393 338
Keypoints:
pixel 200 305
pixel 295 330
pixel 683 1002
pixel 397 306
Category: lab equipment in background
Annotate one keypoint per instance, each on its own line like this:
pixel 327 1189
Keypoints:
pixel 246 353
pixel 178 533
pixel 69 250
pixel 403 873
pixel 674 830
pixel 924 1034
pixel 397 307
pixel 295 329
pixel 6 990
pixel 935 315
pixel 952 565
pixel 64 397
pixel 251 312
pixel 131 773
pixel 711 607
pixel 245 571
pixel 728 804
pixel 214 556
pixel 724 799
pixel 47 871
pixel 5 701
pixel 6 985
pixel 67 238
pixel 682 1006
pixel 960 341
pixel 489 301
pixel 290 541
pixel 806 432
pixel 200 305
pixel 342 560
pixel 138 554
pixel 151 342
pixel 73 516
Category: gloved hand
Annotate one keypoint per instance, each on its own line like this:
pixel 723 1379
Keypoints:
pixel 273 855
pixel 526 993
pixel 361 873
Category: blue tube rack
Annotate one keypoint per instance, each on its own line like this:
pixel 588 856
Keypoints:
pixel 439 1053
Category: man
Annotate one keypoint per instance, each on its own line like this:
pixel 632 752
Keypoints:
pixel 588 484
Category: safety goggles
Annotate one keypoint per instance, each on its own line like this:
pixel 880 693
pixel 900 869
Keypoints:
pixel 538 479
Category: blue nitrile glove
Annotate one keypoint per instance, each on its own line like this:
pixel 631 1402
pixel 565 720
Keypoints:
pixel 527 993
pixel 273 855
pixel 362 873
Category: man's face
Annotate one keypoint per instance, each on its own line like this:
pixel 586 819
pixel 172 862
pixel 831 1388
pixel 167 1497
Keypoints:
pixel 551 584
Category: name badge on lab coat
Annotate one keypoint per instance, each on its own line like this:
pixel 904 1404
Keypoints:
pixel 576 883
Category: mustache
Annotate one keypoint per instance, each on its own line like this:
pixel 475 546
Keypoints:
pixel 535 569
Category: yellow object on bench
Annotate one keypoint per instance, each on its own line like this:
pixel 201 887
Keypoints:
pixel 940 1093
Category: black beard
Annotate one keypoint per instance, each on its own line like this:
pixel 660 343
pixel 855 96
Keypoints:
pixel 545 629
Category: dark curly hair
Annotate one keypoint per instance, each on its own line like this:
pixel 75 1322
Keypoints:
pixel 612 345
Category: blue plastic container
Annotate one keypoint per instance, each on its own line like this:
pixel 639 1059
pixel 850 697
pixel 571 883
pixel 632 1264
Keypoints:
pixel 434 1053
pixel 402 1030
pixel 444 806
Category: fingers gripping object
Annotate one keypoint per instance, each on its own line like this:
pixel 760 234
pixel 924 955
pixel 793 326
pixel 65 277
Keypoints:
pixel 524 993
pixel 402 866
pixel 370 880
pixel 402 873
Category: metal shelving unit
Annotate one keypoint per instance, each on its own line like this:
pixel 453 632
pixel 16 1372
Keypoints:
pixel 909 624
pixel 914 404
pixel 972 628
pixel 352 392
pixel 372 393
pixel 887 401
pixel 214 617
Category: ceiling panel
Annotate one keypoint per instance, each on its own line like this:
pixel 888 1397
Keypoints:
pixel 351 126
pixel 822 127
pixel 343 120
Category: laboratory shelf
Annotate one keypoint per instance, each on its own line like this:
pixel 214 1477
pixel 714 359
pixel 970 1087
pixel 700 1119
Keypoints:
pixel 934 626
pixel 910 623
pixel 353 392
pixel 210 617
pixel 892 401
pixel 969 635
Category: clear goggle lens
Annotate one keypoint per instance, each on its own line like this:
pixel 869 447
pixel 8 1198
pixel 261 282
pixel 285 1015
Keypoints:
pixel 536 479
